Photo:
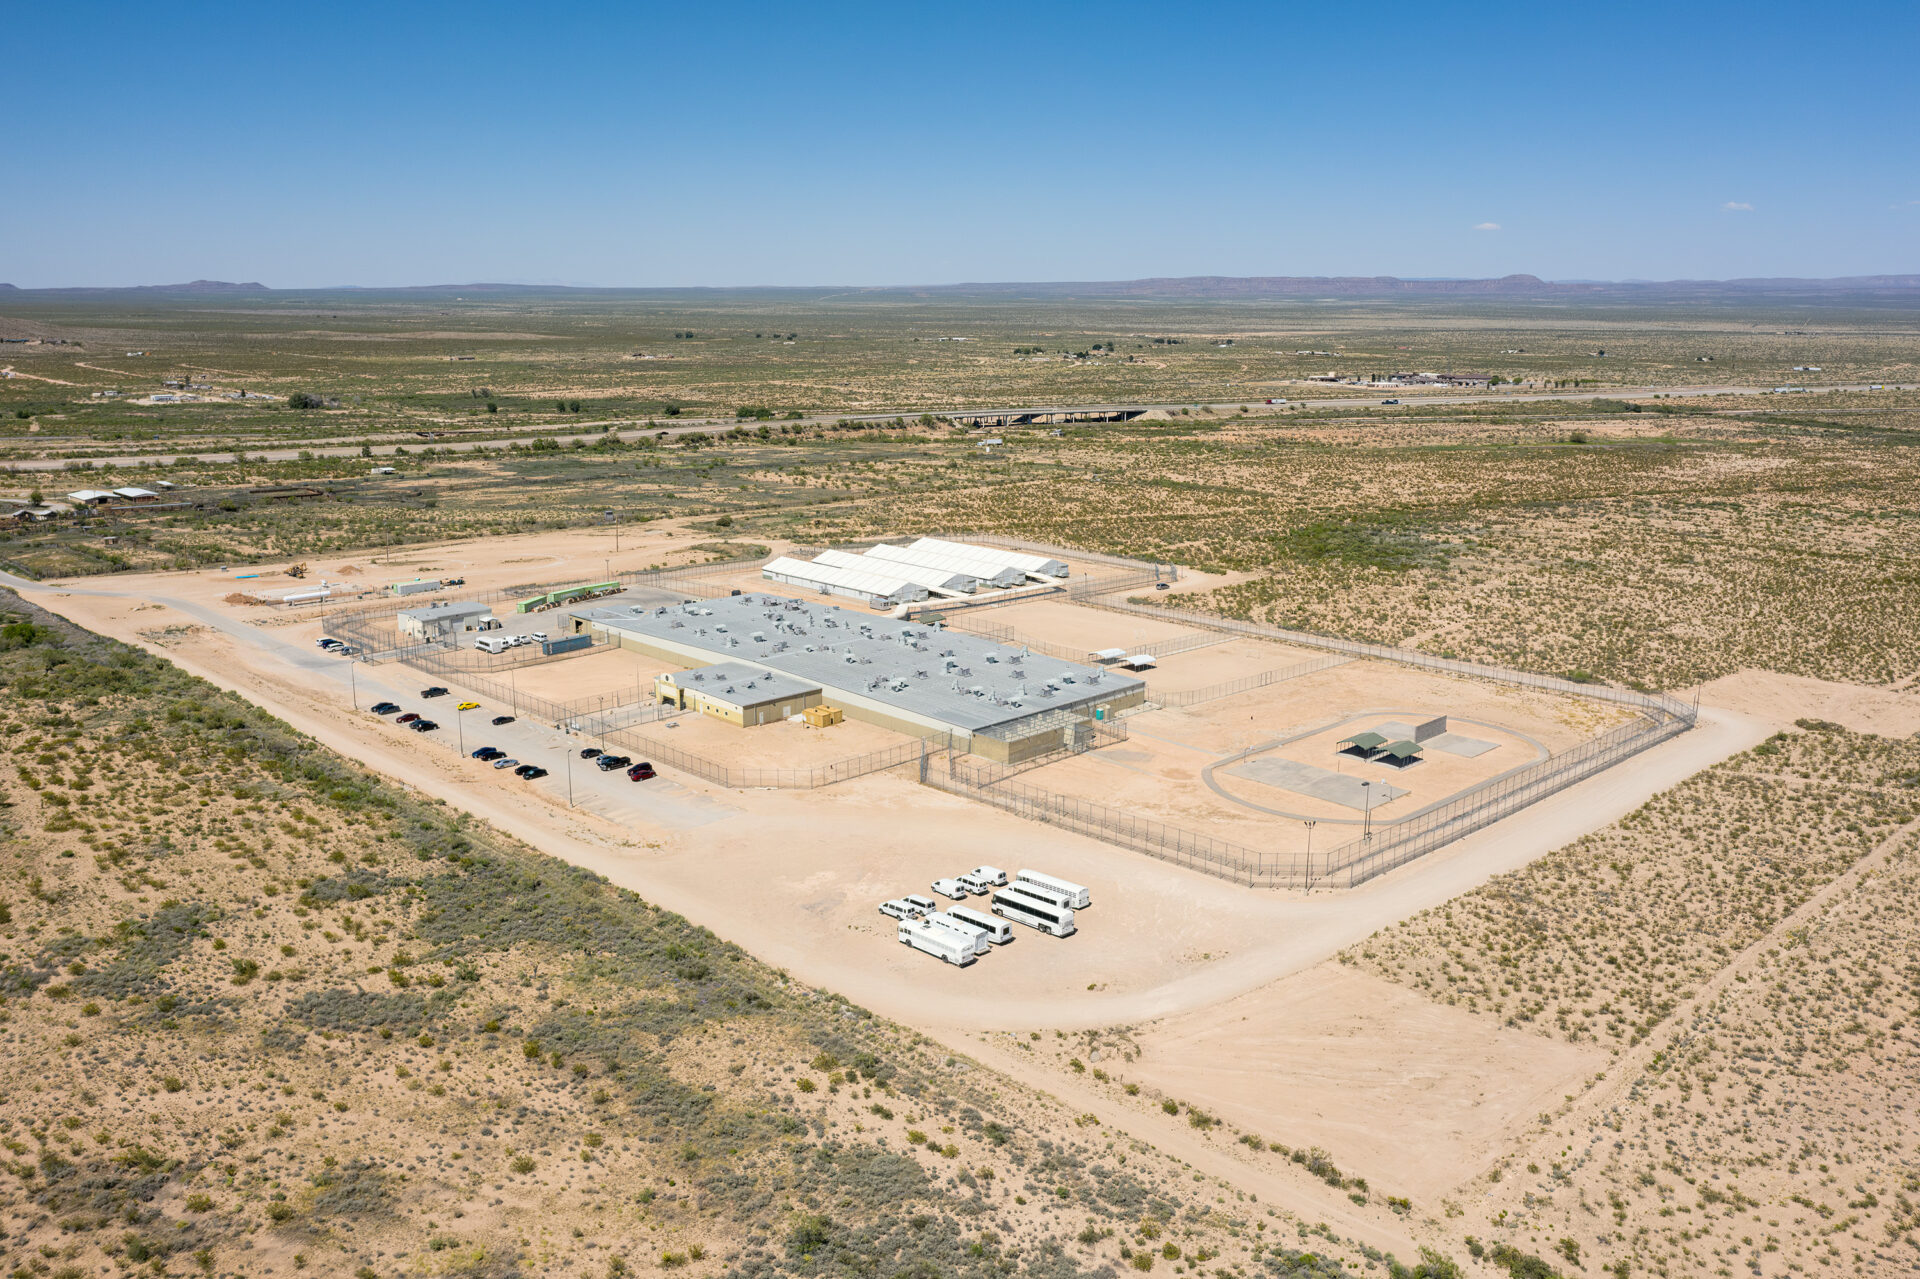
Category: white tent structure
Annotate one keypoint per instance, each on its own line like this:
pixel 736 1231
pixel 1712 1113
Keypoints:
pixel 937 580
pixel 877 590
pixel 1035 566
pixel 989 573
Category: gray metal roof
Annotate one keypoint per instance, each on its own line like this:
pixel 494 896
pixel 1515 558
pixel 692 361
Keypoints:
pixel 742 684
pixel 946 676
pixel 447 608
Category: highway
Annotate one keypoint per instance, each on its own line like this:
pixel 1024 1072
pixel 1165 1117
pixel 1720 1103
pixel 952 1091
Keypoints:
pixel 630 430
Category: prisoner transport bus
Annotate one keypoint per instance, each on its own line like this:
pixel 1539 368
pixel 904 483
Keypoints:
pixel 1075 895
pixel 937 942
pixel 996 930
pixel 970 935
pixel 1034 912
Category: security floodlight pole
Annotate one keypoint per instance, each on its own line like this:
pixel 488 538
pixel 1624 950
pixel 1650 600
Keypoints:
pixel 1309 825
pixel 460 720
pixel 1366 791
pixel 353 682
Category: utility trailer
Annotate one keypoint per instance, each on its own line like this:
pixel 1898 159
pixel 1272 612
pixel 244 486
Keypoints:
pixel 937 942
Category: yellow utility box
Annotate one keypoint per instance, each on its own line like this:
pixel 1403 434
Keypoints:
pixel 823 716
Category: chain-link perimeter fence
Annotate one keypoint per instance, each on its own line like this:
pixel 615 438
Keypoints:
pixel 1247 683
pixel 374 628
pixel 1343 866
pixel 992 784
pixel 658 751
pixel 1657 718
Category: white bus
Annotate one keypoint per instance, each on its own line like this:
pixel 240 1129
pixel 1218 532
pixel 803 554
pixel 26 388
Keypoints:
pixel 971 936
pixel 1034 913
pixel 1050 896
pixel 1076 894
pixel 937 942
pixel 995 930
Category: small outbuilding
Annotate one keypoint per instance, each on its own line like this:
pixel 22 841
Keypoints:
pixel 448 617
pixel 739 693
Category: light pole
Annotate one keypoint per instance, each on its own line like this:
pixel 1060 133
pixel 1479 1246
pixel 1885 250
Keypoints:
pixel 569 759
pixel 460 720
pixel 1309 825
pixel 353 682
pixel 1366 790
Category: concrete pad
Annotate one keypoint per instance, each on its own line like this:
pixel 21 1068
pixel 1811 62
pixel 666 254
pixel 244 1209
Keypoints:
pixel 1317 783
pixel 1395 730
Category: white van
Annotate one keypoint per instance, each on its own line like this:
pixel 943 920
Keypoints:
pixel 539 637
pixel 991 874
pixel 977 883
pixel 492 644
pixel 925 905
pixel 898 909
pixel 950 888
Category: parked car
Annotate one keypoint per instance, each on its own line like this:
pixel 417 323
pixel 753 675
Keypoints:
pixel 951 888
pixel 992 874
pixel 343 650
pixel 538 637
pixel 385 708
pixel 468 706
pixel 531 771
pixel 589 752
pixel 488 752
pixel 641 772
pixel 326 641
pixel 1159 586
pixel 1389 401
pixel 408 718
pixel 423 726
pixel 435 691
pixel 607 763
pixel 506 762
pixel 502 719
pixel 899 908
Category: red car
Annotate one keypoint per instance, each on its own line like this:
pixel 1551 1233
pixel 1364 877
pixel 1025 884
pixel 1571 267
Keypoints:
pixel 641 772
pixel 408 718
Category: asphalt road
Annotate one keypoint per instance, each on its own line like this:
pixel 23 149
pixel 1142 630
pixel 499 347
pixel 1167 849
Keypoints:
pixel 631 430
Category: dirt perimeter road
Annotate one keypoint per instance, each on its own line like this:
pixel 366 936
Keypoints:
pixel 673 848
pixel 749 864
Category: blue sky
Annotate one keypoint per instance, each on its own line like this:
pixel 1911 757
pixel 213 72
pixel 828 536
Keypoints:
pixel 627 144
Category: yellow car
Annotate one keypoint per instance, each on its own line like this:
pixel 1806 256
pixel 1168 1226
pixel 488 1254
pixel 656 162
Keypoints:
pixel 469 706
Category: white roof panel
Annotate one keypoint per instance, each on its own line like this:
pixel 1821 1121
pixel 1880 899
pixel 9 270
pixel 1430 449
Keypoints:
pixel 788 569
pixel 934 579
pixel 1026 563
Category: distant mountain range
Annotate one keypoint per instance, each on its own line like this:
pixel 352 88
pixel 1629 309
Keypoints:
pixel 195 286
pixel 1198 287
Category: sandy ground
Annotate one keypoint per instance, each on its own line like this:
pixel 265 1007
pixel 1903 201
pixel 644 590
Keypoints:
pixel 1159 770
pixel 795 877
pixel 1076 625
pixel 778 745
pixel 614 673
pixel 1323 1056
